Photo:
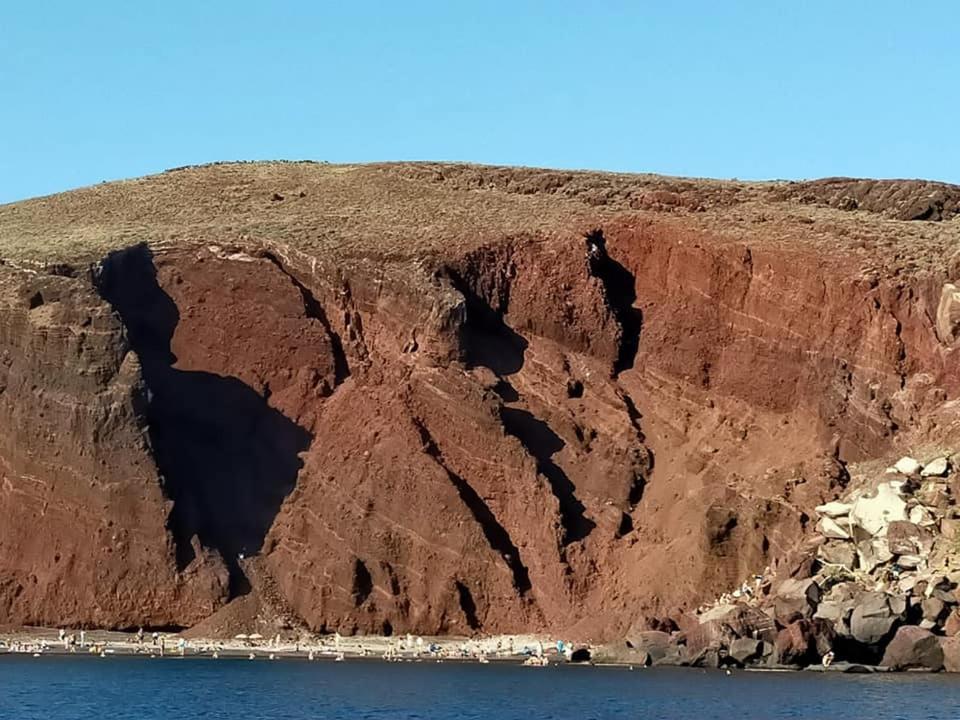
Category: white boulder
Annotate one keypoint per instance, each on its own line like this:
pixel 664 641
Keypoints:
pixel 872 553
pixel 935 468
pixel 834 509
pixel 909 562
pixel 873 514
pixel 919 515
pixel 830 528
pixel 907 466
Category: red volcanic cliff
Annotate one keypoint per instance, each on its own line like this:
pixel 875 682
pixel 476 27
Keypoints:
pixel 450 399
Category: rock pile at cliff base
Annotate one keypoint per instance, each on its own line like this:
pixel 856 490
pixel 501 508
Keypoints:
pixel 876 586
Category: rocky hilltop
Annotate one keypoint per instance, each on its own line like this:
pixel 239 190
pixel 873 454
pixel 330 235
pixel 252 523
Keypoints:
pixel 455 399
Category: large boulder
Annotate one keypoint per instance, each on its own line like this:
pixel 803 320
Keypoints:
pixel 874 512
pixel 950 646
pixel 872 619
pixel 795 600
pixel 837 606
pixel 872 552
pixel 838 552
pixel 804 642
pixel 837 613
pixel 907 466
pixel 746 650
pixel 935 494
pixel 937 467
pixel 906 538
pixel 674 656
pixel 655 643
pixel 913 647
pixel 720 626
pixel 832 529
pixel 951 626
pixel 620 653
pixel 933 609
pixel 707 658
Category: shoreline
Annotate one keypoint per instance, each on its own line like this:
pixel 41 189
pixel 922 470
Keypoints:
pixel 520 650
pixel 511 649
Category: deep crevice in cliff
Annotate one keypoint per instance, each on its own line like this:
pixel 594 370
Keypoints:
pixel 226 458
pixel 495 533
pixel 619 286
pixel 362 582
pixel 643 456
pixel 314 310
pixel 539 439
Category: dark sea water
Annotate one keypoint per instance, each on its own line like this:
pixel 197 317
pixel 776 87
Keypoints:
pixel 143 689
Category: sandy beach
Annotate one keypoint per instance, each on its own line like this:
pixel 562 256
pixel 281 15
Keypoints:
pixel 527 649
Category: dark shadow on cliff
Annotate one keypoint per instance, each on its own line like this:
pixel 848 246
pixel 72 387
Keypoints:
pixel 621 293
pixel 486 340
pixel 542 443
pixel 226 457
pixel 495 533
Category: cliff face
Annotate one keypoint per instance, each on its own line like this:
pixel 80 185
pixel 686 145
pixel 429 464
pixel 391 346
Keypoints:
pixel 446 399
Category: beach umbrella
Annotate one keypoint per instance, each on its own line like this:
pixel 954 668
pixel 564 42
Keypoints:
pixel 241 636
pixel 256 636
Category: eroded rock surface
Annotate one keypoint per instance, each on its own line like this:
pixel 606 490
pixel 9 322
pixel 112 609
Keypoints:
pixel 455 399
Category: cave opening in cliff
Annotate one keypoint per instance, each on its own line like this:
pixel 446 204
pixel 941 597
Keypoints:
pixel 468 606
pixel 226 458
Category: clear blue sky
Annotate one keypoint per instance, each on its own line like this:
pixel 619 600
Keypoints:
pixel 105 89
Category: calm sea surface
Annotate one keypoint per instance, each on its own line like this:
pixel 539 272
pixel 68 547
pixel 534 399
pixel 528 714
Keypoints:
pixel 141 688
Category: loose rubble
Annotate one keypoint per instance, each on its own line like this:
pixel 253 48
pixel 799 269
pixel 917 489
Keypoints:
pixel 881 592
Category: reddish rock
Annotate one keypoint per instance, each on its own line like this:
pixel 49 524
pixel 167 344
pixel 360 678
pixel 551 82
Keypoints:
pixel 913 647
pixel 951 626
pixel 933 609
pixel 950 646
pixel 803 642
pixel 906 538
pixel 794 600
pixel 427 397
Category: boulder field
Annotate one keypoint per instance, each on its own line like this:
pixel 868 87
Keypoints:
pixel 875 586
pixel 451 399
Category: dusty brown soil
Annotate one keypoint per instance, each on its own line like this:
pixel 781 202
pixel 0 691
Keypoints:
pixel 445 398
